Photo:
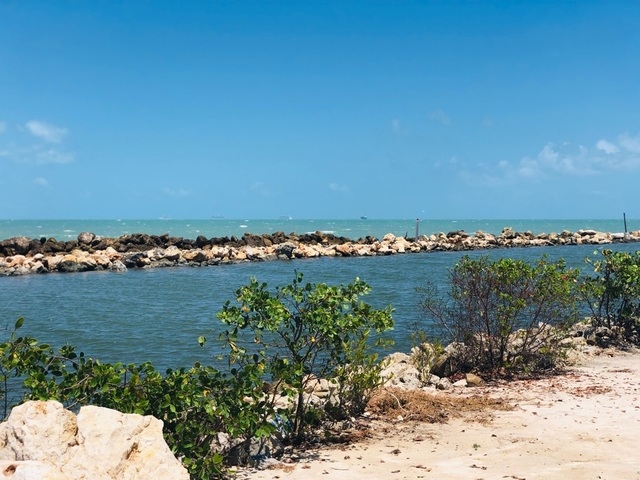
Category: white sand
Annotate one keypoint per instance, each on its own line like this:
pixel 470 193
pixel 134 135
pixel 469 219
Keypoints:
pixel 584 424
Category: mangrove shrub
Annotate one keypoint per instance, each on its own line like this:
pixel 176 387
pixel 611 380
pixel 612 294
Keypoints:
pixel 613 294
pixel 304 331
pixel 510 315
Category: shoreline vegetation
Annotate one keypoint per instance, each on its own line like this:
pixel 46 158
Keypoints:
pixel 89 252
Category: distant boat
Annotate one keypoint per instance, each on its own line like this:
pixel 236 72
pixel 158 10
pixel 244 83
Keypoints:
pixel 286 217
pixel 364 217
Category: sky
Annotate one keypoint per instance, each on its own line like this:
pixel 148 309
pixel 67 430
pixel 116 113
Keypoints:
pixel 319 109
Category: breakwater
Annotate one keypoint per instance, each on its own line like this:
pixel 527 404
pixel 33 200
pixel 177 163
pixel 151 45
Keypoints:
pixel 88 252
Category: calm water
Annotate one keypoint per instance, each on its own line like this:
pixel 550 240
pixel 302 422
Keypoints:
pixel 158 314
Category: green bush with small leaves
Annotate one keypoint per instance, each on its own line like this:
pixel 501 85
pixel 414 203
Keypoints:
pixel 613 294
pixel 510 315
pixel 303 331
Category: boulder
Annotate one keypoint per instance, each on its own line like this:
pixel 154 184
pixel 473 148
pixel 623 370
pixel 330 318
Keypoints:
pixel 508 233
pixel 285 250
pixel 118 266
pixel 473 380
pixel 15 261
pixel 400 372
pixel 171 253
pixel 85 238
pixel 37 267
pixel 196 255
pixel 69 264
pixel 444 384
pixel 344 249
pixel 15 246
pixel 43 440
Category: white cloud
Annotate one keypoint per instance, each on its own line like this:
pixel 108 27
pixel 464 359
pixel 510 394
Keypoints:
pixel 607 147
pixel 180 192
pixel 528 168
pixel 37 155
pixel 336 187
pixel 49 156
pixel 630 144
pixel 41 181
pixel 440 116
pixel 37 151
pixel 565 160
pixel 46 131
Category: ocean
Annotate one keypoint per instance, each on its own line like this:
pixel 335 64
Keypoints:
pixel 157 315
pixel 353 229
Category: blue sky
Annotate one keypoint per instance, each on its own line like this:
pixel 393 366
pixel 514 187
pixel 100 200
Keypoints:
pixel 319 109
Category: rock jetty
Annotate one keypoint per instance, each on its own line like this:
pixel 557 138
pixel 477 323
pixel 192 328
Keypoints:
pixel 22 255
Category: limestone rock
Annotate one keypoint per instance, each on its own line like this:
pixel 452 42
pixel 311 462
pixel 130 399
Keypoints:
pixel 86 238
pixel 43 440
pixel 195 256
pixel 15 261
pixel 473 380
pixel 37 431
pixel 171 253
pixel 400 372
pixel 344 250
pixel 118 266
pixel 29 470
pixel 444 384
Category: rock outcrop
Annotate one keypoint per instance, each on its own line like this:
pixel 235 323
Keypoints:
pixel 21 255
pixel 43 440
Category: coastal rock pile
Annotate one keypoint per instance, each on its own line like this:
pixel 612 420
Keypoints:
pixel 21 255
pixel 43 440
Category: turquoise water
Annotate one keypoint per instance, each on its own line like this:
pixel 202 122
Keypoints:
pixel 158 314
pixel 354 229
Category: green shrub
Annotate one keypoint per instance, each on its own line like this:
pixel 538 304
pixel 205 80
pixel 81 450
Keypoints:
pixel 508 314
pixel 302 331
pixel 424 352
pixel 358 376
pixel 613 294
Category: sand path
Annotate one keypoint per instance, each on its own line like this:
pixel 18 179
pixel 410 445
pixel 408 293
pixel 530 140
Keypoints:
pixel 584 424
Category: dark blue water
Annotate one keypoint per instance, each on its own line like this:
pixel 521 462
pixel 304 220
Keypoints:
pixel 158 314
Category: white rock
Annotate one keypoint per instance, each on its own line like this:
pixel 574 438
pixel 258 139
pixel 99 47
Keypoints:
pixel 100 444
pixel 29 470
pixel 171 253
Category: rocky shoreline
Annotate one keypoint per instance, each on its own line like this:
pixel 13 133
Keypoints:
pixel 22 255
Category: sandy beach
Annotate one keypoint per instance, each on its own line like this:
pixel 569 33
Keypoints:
pixel 582 424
